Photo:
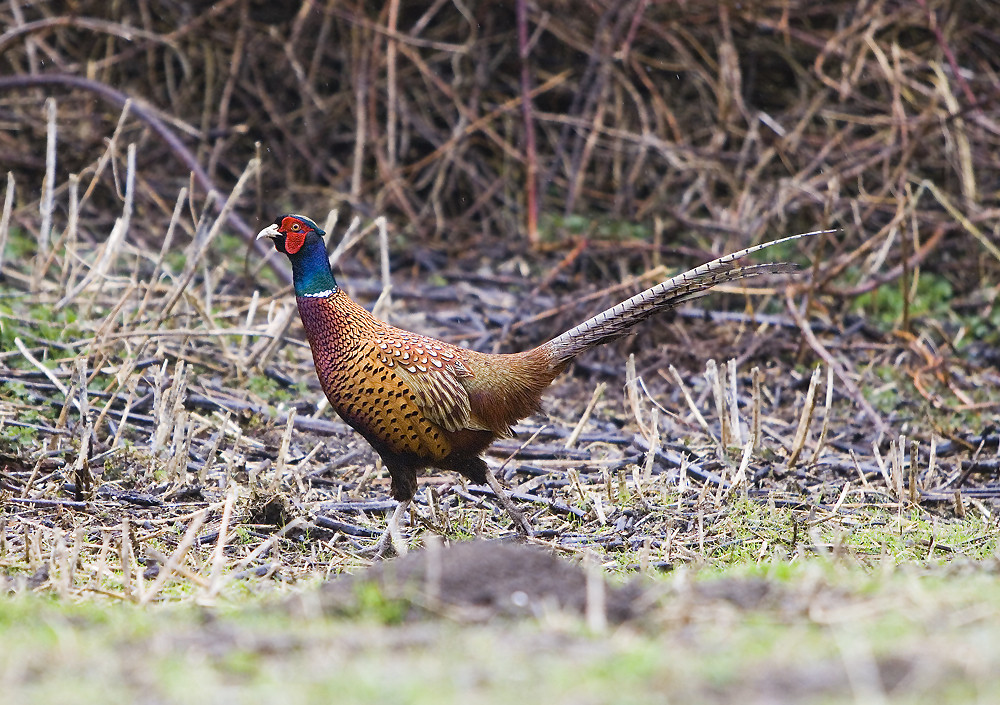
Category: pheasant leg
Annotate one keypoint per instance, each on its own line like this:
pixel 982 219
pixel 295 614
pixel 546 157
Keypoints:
pixel 391 538
pixel 520 521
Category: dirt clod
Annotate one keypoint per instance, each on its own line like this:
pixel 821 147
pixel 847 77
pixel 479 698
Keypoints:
pixel 478 580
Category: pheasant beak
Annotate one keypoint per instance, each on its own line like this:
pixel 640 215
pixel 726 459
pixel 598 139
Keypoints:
pixel 270 231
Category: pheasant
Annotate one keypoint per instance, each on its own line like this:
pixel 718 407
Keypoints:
pixel 422 402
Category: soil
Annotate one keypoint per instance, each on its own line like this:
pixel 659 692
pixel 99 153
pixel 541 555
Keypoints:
pixel 480 580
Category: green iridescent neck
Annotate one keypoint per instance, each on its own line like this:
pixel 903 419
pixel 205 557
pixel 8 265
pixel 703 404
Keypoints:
pixel 311 273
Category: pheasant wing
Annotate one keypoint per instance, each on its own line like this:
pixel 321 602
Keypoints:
pixel 434 375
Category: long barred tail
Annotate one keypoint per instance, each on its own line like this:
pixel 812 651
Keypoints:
pixel 618 320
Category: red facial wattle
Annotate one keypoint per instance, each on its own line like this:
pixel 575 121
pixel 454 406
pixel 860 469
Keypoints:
pixel 295 234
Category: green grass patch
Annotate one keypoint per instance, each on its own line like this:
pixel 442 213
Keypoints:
pixel 924 634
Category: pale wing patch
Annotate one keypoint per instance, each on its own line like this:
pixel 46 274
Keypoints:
pixel 433 372
pixel 440 395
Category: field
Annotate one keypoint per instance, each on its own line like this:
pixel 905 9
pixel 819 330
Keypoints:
pixel 783 492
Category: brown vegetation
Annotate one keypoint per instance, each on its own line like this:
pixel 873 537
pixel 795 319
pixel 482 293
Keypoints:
pixel 156 393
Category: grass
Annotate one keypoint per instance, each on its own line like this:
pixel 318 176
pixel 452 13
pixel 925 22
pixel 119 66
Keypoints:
pixel 827 587
pixel 821 631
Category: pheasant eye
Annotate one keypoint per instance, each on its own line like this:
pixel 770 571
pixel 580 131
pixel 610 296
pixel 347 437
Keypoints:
pixel 296 227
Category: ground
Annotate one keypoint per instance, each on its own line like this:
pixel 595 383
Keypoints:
pixel 663 561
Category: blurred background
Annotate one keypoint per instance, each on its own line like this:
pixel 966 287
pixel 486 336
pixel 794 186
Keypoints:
pixel 508 126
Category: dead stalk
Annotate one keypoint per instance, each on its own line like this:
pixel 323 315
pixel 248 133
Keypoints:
pixel 8 206
pixel 176 558
pixel 805 417
pixel 585 416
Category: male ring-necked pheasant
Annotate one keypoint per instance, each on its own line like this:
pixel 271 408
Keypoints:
pixel 421 402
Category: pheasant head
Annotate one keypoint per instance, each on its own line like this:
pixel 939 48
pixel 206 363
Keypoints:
pixel 302 240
